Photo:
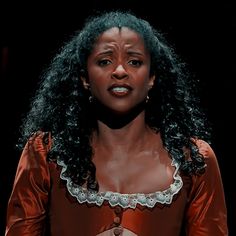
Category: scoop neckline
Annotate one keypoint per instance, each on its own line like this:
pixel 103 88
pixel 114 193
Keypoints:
pixel 124 200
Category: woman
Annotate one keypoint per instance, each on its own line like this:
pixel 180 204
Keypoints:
pixel 116 142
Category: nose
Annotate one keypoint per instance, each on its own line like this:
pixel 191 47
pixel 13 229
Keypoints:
pixel 119 72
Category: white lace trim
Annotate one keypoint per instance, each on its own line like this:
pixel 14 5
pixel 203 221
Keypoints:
pixel 124 200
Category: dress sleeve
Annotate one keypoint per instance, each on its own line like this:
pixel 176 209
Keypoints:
pixel 27 204
pixel 206 213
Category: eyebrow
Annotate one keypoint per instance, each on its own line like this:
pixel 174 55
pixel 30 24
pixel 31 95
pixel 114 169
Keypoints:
pixel 105 52
pixel 131 52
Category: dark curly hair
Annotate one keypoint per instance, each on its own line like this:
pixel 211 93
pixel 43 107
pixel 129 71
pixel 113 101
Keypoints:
pixel 61 105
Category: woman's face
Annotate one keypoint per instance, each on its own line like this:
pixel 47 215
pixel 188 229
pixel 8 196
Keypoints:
pixel 119 70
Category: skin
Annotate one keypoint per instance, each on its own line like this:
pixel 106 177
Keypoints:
pixel 119 58
pixel 128 157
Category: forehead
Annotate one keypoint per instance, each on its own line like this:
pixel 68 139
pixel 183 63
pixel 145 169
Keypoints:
pixel 124 32
pixel 122 36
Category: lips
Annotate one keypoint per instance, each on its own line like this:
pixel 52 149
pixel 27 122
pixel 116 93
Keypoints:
pixel 120 90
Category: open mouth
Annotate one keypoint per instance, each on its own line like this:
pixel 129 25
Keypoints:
pixel 120 90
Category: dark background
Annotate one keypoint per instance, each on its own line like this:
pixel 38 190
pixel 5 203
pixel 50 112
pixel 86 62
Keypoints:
pixel 203 34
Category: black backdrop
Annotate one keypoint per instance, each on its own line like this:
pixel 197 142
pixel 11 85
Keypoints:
pixel 202 34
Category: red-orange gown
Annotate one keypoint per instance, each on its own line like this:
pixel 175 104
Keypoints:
pixel 40 204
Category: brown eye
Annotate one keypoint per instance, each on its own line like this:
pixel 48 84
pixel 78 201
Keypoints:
pixel 104 62
pixel 135 63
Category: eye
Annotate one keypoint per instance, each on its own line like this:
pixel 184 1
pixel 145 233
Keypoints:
pixel 135 63
pixel 104 62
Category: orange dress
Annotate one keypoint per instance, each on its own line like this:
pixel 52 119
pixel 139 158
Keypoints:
pixel 44 203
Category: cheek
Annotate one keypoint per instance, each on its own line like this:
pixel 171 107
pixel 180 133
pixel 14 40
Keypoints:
pixel 143 81
pixel 98 83
pixel 143 75
pixel 96 76
pixel 146 81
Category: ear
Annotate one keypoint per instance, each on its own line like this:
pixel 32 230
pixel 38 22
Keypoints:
pixel 151 81
pixel 84 79
pixel 85 82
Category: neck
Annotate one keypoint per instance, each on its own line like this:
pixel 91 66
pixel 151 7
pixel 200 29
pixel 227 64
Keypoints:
pixel 117 120
pixel 128 134
pixel 116 133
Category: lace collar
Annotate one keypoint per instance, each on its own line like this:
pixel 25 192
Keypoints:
pixel 124 200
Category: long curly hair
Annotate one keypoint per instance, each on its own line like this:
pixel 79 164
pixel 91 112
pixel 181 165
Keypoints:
pixel 61 105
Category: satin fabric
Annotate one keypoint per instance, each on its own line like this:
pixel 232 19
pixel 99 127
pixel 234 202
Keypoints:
pixel 41 205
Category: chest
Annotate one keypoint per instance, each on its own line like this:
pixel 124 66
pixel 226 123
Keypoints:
pixel 142 174
pixel 68 217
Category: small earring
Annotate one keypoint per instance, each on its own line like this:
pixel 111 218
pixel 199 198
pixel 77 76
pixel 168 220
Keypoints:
pixel 147 99
pixel 90 99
